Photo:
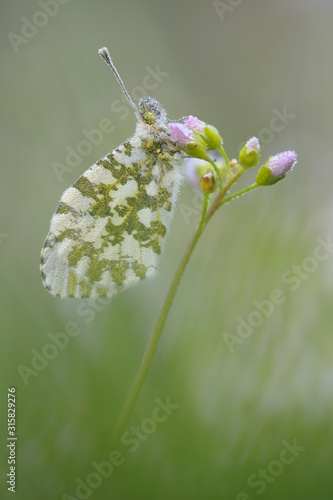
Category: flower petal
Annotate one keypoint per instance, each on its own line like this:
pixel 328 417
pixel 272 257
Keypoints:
pixel 193 123
pixel 181 134
pixel 281 163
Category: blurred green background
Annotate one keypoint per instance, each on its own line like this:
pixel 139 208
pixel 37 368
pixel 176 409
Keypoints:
pixel 235 65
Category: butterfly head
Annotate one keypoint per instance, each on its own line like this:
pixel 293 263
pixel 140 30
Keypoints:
pixel 151 112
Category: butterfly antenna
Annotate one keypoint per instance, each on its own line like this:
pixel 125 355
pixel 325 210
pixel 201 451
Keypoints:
pixel 105 54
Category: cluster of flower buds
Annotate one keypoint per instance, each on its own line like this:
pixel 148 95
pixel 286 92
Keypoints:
pixel 273 170
pixel 276 168
pixel 196 137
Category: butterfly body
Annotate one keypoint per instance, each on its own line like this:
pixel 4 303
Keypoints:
pixel 109 229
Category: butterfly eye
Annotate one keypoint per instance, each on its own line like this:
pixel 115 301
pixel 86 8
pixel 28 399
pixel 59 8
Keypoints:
pixel 149 117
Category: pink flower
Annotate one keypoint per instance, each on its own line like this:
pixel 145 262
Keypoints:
pixel 193 141
pixel 181 134
pixel 281 163
pixel 276 168
pixel 253 144
pixel 193 123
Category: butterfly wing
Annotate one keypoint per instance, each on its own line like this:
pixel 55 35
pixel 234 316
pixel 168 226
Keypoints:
pixel 109 228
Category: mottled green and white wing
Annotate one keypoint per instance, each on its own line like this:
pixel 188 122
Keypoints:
pixel 109 228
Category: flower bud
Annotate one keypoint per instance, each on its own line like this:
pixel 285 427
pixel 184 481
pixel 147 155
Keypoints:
pixel 209 132
pixel 199 148
pixel 250 154
pixel 212 137
pixel 181 135
pixel 193 123
pixel 190 141
pixel 276 168
pixel 207 182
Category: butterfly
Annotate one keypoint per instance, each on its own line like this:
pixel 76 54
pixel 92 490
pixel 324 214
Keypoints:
pixel 110 226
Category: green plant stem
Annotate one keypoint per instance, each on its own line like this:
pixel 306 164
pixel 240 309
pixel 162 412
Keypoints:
pixel 225 156
pixel 152 345
pixel 219 198
pixel 203 212
pixel 239 193
pixel 153 342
